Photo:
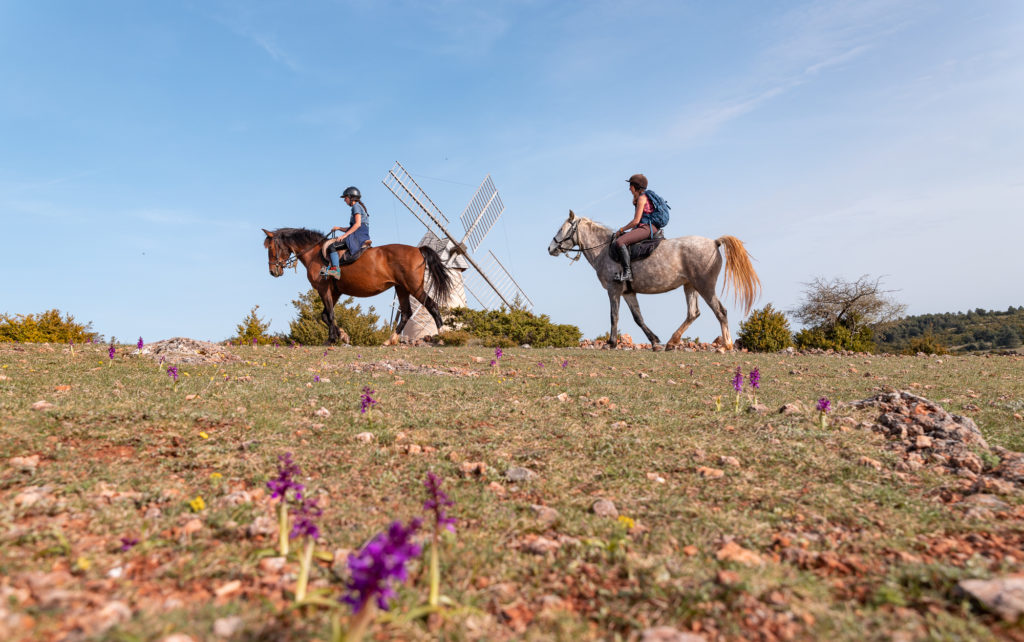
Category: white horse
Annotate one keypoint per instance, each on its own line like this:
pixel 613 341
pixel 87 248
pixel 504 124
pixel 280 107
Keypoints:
pixel 689 261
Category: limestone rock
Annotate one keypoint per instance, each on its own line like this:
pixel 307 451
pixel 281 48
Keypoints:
pixel 1004 596
pixel 605 508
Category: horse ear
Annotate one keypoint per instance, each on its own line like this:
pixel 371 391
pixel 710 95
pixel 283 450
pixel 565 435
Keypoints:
pixel 572 215
pixel 270 234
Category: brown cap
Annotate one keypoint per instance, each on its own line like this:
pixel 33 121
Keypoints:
pixel 639 180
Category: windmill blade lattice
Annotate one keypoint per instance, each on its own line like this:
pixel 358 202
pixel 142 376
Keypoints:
pixel 482 213
pixel 409 192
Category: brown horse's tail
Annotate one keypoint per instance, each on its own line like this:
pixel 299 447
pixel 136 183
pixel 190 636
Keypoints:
pixel 739 272
pixel 440 279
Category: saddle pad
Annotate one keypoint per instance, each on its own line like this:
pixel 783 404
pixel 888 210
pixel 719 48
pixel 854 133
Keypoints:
pixel 641 249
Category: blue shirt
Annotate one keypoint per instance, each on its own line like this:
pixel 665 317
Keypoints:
pixel 360 209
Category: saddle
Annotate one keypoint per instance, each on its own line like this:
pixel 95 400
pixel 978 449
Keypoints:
pixel 641 249
pixel 345 258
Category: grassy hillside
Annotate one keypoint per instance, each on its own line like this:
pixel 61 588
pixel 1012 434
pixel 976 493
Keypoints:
pixel 734 523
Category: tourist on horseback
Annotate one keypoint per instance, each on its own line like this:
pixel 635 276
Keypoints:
pixel 640 228
pixel 354 236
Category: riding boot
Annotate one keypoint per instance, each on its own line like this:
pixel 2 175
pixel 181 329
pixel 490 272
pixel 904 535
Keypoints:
pixel 627 273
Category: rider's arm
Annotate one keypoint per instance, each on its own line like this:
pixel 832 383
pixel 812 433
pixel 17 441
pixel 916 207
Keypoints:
pixel 352 228
pixel 640 203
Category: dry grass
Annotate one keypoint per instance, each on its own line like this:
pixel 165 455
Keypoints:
pixel 122 451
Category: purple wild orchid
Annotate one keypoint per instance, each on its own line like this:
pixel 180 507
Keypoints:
pixel 316 378
pixel 287 472
pixel 172 372
pixel 824 405
pixel 128 543
pixel 304 514
pixel 380 564
pixel 737 381
pixel 437 501
pixel 111 351
pixel 366 400
pixel 498 353
pixel 755 378
pixel 565 363
pixel 140 344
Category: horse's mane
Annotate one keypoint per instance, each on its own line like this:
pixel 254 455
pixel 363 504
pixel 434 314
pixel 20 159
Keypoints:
pixel 298 237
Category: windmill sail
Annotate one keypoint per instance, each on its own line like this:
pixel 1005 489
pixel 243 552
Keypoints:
pixel 481 214
pixel 490 284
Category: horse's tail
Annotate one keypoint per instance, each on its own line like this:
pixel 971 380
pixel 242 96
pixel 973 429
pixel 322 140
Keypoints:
pixel 440 279
pixel 739 272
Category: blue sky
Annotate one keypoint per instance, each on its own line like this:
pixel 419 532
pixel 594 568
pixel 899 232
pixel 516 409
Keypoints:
pixel 144 145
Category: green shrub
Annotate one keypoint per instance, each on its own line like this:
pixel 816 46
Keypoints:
pixel 362 328
pixel 765 330
pixel 926 343
pixel 838 337
pixel 47 327
pixel 454 337
pixel 506 328
pixel 252 328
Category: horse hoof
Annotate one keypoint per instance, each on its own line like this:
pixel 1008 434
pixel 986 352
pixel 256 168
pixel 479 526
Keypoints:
pixel 657 347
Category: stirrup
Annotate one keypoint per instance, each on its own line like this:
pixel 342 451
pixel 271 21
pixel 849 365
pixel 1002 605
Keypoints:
pixel 622 277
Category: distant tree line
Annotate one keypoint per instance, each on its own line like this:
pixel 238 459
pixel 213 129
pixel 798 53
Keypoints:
pixel 972 331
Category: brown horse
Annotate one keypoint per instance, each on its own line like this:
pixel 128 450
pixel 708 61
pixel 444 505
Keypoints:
pixel 378 269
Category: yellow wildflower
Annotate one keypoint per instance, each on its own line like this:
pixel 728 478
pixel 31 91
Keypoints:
pixel 215 475
pixel 627 522
pixel 204 435
pixel 197 504
pixel 82 563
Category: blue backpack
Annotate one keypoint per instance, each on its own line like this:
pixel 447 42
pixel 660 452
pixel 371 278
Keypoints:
pixel 658 217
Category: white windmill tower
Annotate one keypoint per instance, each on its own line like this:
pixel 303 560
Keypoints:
pixel 483 278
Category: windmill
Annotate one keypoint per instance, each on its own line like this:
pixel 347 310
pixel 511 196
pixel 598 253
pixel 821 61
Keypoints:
pixel 482 277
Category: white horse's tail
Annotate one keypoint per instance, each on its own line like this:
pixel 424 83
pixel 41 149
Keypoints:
pixel 739 273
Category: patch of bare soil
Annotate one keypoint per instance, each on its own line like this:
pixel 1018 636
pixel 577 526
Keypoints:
pixel 185 350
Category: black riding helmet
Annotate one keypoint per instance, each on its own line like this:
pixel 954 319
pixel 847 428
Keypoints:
pixel 353 192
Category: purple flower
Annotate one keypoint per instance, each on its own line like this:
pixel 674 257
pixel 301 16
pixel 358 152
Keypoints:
pixel 755 378
pixel 111 351
pixel 540 363
pixel 316 378
pixel 127 543
pixel 254 341
pixel 305 513
pixel 366 400
pixel 140 344
pixel 436 502
pixel 737 381
pixel 493 363
pixel 325 353
pixel 380 564
pixel 161 360
pixel 565 363
pixel 498 353
pixel 172 371
pixel 824 405
pixel 287 471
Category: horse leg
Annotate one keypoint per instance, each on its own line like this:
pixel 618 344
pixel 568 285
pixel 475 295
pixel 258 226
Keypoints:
pixel 692 312
pixel 716 306
pixel 327 316
pixel 634 307
pixel 404 309
pixel 613 297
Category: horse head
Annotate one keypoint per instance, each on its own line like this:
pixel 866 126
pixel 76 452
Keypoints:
pixel 565 238
pixel 277 254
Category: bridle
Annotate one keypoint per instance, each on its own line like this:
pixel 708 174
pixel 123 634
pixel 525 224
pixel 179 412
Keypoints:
pixel 290 261
pixel 572 237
